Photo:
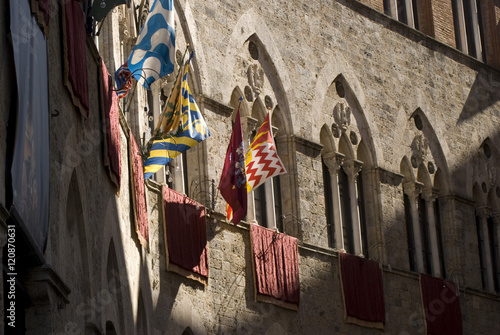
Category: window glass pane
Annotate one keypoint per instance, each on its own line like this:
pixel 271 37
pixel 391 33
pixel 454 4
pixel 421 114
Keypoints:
pixel 410 234
pixel 327 187
pixel 387 7
pixel 362 218
pixel 493 240
pixel 480 243
pixel 260 205
pixel 345 208
pixel 277 204
pixel 439 233
pixel 424 233
pixel 415 13
pixel 402 11
pixel 456 25
pixel 469 13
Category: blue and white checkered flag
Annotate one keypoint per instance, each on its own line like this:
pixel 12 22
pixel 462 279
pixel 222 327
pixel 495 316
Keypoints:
pixel 154 52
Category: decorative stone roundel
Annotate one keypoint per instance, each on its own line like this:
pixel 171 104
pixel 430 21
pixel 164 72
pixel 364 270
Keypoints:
pixel 354 138
pixel 431 167
pixel 487 150
pixel 335 130
pixel 414 162
pixel 248 94
pixel 418 122
pixel 268 101
pixel 340 89
pixel 254 50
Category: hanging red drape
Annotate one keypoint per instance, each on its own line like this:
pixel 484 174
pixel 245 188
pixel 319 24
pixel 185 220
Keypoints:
pixel 441 306
pixel 112 155
pixel 276 265
pixel 138 192
pixel 363 292
pixel 75 55
pixel 185 235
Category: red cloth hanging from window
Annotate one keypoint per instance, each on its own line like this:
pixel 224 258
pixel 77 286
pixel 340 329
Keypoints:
pixel 185 235
pixel 363 292
pixel 441 306
pixel 276 265
pixel 75 55
pixel 112 155
pixel 138 192
pixel 41 10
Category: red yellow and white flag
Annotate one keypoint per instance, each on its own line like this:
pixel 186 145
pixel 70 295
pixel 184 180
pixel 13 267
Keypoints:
pixel 261 160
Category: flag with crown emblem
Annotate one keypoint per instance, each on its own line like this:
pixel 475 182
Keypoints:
pixel 232 184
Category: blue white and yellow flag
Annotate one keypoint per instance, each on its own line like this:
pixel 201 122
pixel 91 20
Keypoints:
pixel 192 130
pixel 154 52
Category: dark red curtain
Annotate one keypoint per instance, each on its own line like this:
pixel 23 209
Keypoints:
pixel 186 232
pixel 41 10
pixel 441 305
pixel 276 264
pixel 363 290
pixel 112 156
pixel 138 193
pixel 75 52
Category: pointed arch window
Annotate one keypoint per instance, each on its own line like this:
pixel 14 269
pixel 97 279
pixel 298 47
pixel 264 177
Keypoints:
pixel 423 226
pixel 468 27
pixel 344 204
pixel 489 251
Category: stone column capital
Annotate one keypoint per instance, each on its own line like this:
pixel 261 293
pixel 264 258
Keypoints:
pixel 429 195
pixel 483 212
pixel 352 167
pixel 412 188
pixel 333 161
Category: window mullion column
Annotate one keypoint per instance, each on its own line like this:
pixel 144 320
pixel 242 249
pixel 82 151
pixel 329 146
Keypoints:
pixel 483 214
pixel 271 214
pixel 334 161
pixel 430 199
pixel 352 169
pixel 412 190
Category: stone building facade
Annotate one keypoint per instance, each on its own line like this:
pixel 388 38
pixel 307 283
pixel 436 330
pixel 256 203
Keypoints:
pixel 394 104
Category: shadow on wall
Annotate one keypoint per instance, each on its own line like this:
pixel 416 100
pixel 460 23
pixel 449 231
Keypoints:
pixel 480 97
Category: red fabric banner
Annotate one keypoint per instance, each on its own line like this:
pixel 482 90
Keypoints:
pixel 276 265
pixel 363 291
pixel 138 192
pixel 441 306
pixel 112 155
pixel 41 10
pixel 186 233
pixel 75 52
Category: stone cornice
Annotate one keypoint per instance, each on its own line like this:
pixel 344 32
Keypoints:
pixel 307 147
pixel 217 107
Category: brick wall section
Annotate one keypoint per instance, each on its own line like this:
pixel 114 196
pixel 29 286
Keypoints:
pixel 375 4
pixel 442 13
pixel 425 18
pixel 489 13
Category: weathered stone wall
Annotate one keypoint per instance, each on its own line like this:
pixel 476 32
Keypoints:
pixel 389 71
